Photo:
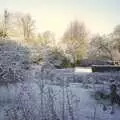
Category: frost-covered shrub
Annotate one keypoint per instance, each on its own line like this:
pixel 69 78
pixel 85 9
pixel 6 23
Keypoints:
pixel 13 60
pixel 24 101
pixel 55 57
pixel 98 78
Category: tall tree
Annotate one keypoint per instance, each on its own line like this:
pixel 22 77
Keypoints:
pixel 47 38
pixel 104 48
pixel 6 20
pixel 75 39
pixel 4 24
pixel 116 37
pixel 101 47
pixel 25 25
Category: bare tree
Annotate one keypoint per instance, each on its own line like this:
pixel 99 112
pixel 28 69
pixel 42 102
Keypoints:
pixel 25 25
pixel 47 38
pixel 116 37
pixel 75 39
pixel 104 48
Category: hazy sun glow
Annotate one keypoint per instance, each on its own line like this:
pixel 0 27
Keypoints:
pixel 100 16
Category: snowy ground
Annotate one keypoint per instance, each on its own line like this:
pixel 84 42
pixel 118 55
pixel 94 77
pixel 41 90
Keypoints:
pixel 67 101
pixel 83 70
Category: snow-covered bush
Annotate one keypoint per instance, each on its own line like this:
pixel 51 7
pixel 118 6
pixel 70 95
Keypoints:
pixel 98 78
pixel 54 55
pixel 36 100
pixel 58 58
pixel 14 59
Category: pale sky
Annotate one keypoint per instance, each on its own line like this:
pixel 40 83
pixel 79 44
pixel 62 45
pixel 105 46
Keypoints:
pixel 99 16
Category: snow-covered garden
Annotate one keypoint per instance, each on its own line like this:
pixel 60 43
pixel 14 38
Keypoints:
pixel 51 69
pixel 53 95
pixel 42 92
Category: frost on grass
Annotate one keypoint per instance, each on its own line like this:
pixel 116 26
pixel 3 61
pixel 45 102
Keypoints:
pixel 37 100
